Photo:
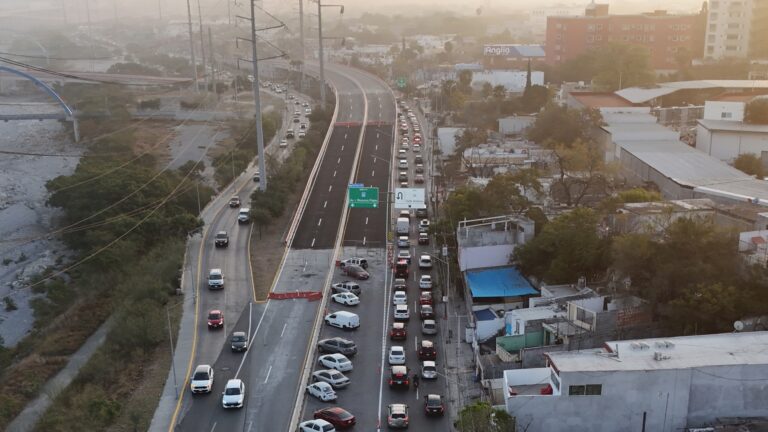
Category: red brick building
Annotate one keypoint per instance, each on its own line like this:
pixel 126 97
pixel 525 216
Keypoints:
pixel 663 34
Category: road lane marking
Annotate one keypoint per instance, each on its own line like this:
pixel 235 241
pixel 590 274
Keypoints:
pixel 338 161
pixel 334 173
pixel 214 426
pixel 345 136
pixel 363 240
pixel 313 242
pixel 283 332
pixel 325 204
pixel 372 173
pixel 268 372
pixel 416 340
pixel 366 220
pixel 330 188
pixel 250 343
pixel 320 221
pixel 377 147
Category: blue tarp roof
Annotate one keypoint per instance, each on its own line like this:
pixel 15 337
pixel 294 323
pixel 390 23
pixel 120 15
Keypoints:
pixel 498 282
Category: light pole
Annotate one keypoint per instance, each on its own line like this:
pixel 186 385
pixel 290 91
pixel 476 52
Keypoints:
pixel 320 7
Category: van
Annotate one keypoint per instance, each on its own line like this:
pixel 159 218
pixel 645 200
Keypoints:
pixel 403 225
pixel 343 320
pixel 244 216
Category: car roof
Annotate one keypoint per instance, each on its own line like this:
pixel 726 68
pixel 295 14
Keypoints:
pixel 429 321
pixel 397 408
pixel 427 344
pixel 401 306
pixel 234 382
pixel 345 313
pixel 322 384
pixel 426 276
pixel 221 232
pixel 429 363
pixel 398 325
pixel 434 397
pixel 214 311
pixel 239 333
pixel 202 368
pixel 396 347
pixel 216 270
pixel 399 369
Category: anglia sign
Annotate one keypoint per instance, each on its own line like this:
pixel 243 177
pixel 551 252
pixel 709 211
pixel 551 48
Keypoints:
pixel 499 50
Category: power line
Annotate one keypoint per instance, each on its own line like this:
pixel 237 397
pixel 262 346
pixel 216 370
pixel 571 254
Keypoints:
pixel 54 58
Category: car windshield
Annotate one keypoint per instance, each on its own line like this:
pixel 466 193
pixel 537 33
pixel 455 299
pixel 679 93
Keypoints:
pixel 346 344
pixel 215 277
pixel 221 236
pixel 433 402
pixel 232 391
pixel 214 316
pixel 200 376
pixel 238 338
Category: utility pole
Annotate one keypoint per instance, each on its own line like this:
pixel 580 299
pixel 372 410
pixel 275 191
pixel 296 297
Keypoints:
pixel 202 44
pixel 257 103
pixel 322 59
pixel 192 45
pixel 301 40
pixel 213 70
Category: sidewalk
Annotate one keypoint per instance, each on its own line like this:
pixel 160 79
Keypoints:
pixel 27 419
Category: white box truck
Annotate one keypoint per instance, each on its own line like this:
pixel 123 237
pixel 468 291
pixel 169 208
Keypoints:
pixel 403 225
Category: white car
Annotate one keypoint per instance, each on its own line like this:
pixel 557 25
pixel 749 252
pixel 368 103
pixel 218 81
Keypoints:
pixel 202 379
pixel 403 242
pixel 318 425
pixel 333 377
pixel 343 320
pixel 283 143
pixel 396 355
pixel 233 395
pixel 346 298
pixel 404 254
pixel 425 262
pixel 401 312
pixel 215 279
pixel 322 390
pixel 402 164
pixel 400 298
pixel 424 225
pixel 337 361
pixel 425 282
pixel 428 369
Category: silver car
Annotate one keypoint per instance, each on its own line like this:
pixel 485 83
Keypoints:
pixel 333 377
pixel 429 327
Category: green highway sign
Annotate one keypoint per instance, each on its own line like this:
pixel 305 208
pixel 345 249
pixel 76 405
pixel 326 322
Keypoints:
pixel 363 197
pixel 401 82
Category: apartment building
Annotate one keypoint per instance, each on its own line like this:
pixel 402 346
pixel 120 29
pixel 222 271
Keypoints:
pixel 667 37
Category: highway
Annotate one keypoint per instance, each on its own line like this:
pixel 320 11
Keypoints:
pixel 279 329
pixel 365 235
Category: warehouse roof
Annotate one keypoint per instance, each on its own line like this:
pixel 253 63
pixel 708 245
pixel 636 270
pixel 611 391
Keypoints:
pixel 645 94
pixel 733 126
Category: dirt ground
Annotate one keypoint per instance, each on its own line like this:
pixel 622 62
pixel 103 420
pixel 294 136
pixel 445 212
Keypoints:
pixel 267 251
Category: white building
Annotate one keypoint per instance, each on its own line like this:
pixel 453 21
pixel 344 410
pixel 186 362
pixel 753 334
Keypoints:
pixel 513 80
pixel 664 384
pixel 726 139
pixel 728 28
pixel 515 125
pixel 724 110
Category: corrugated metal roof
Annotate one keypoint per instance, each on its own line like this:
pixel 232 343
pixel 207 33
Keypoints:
pixel 684 164
pixel 644 94
pixel 733 126
pixel 640 132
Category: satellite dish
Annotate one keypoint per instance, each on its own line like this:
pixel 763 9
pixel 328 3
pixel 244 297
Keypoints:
pixel 738 326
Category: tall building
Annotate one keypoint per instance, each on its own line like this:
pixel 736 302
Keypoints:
pixel 667 37
pixel 737 29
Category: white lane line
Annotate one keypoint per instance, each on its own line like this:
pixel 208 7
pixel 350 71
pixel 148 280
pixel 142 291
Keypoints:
pixel 363 240
pixel 313 242
pixel 255 332
pixel 320 221
pixel 373 173
pixel 334 173
pixel 377 135
pixel 325 204
pixel 330 188
pixel 338 161
pixel 416 339
pixel 342 148
pixel 250 425
pixel 268 372
pixel 214 426
pixel 366 220
pixel 377 147
pixel 283 332
pixel 345 137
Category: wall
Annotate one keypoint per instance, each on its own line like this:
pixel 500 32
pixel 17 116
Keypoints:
pixel 485 256
pixel 487 328
pixel 719 110
pixel 732 391
pixel 512 344
pixel 727 145
pixel 514 125
pixel 639 172
pixel 533 357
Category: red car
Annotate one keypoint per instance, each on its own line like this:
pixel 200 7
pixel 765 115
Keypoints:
pixel 337 416
pixel 398 331
pixel 215 319
pixel 426 298
pixel 427 350
pixel 356 272
pixel 398 377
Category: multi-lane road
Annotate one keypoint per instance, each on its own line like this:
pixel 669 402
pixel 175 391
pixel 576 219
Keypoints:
pixel 282 333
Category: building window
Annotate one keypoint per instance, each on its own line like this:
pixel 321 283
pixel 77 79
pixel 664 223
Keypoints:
pixel 585 390
pixel 713 27
pixel 714 4
pixel 726 115
pixel 713 16
pixel 711 38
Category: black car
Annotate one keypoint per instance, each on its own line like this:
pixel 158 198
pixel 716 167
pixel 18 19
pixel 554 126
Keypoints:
pixel 222 239
pixel 337 345
pixel 433 405
pixel 398 377
pixel 427 350
pixel 421 213
pixel 239 341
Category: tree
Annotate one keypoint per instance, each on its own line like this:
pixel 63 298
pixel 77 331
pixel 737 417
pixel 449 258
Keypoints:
pixel 535 98
pixel 261 217
pixel 499 92
pixel 751 164
pixel 482 417
pixel 560 124
pixel 506 193
pixel 487 90
pixel 622 65
pixel 580 170
pixel 465 82
pixel 567 248
pixel 756 112
pixel 448 47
